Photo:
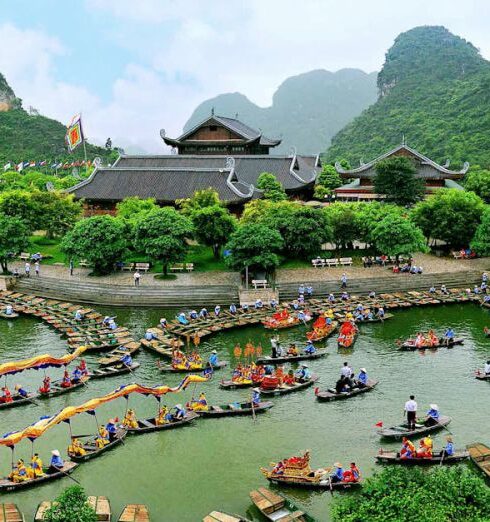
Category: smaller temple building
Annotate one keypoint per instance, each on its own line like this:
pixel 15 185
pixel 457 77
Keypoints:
pixel 360 186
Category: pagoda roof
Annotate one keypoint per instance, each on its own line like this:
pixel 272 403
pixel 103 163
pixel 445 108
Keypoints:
pixel 430 169
pixel 246 133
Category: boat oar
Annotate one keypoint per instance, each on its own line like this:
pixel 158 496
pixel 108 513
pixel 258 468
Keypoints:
pixel 253 409
pixel 69 476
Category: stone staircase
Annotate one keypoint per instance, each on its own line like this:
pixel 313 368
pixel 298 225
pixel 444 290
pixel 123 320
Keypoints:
pixel 119 295
pixel 388 284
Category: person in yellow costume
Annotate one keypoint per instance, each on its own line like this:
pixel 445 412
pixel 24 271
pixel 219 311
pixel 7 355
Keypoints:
pixel 349 316
pixel 130 420
pixel 36 469
pixel 329 314
pixel 201 404
pixel 19 473
pixel 161 417
pixel 76 448
pixel 103 438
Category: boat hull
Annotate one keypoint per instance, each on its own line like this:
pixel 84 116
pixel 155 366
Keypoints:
pixel 398 432
pixel 290 389
pixel 327 395
pixel 392 457
pixel 149 426
pixel 8 485
pixel 294 358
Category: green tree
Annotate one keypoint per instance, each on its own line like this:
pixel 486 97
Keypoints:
pixel 370 214
pixel 101 240
pixel 478 180
pixel 304 231
pixel 18 203
pixel 14 238
pixel 58 212
pixel 481 242
pixel 414 495
pixel 395 179
pixel 394 236
pixel 133 208
pixel 162 236
pixel 327 181
pixel 254 245
pixel 255 210
pixel 343 218
pixel 71 506
pixel 272 188
pixel 449 215
pixel 213 227
pixel 201 198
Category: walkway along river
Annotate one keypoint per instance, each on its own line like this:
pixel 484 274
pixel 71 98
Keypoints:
pixel 213 464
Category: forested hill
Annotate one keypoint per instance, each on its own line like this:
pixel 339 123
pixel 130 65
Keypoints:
pixel 306 111
pixel 434 88
pixel 26 137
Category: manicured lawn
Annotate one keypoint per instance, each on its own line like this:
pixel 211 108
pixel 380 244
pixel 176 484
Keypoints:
pixel 47 247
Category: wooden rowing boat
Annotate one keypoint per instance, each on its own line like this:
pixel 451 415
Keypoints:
pixel 8 485
pixel 157 347
pixel 410 345
pixel 290 358
pixel 92 451
pixel 318 334
pixel 285 388
pixel 170 368
pixel 480 456
pixel 392 457
pixel 135 513
pixel 332 395
pixel 237 408
pixel 110 371
pixel 117 354
pixel 348 341
pixel 397 432
pixel 13 315
pixel 149 425
pixel 374 319
pixel 275 507
pixel 319 480
pixel 100 505
pixel 231 384
pixel 17 400
pixel 271 324
pixel 56 388
pixel 221 516
pixel 10 513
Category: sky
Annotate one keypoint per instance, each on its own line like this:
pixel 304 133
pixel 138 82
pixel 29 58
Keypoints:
pixel 133 67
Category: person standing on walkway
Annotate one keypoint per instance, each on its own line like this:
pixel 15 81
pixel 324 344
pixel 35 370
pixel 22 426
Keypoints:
pixel 37 268
pixel 71 267
pixel 343 281
pixel 27 269
pixel 411 411
pixel 137 277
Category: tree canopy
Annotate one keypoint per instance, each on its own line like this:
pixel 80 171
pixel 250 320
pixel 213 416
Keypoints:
pixel 272 188
pixel 200 199
pixel 394 236
pixel 162 236
pixel 481 240
pixel 414 495
pixel 395 179
pixel 478 180
pixel 213 227
pixel 71 506
pixel 101 240
pixel 254 245
pixel 14 238
pixel 449 215
pixel 133 208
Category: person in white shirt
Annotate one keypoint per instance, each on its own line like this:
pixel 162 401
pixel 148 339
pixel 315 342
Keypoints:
pixel 487 368
pixel 27 269
pixel 137 277
pixel 346 371
pixel 411 410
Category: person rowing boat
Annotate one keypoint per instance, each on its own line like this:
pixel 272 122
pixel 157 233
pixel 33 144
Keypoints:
pixel 303 374
pixel 130 420
pixel 76 448
pixel 56 462
pixel 309 349
pixel 432 416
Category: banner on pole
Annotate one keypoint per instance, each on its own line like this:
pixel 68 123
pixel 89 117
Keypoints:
pixel 74 134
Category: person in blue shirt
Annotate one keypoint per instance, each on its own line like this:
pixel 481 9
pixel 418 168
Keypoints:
pixel 76 375
pixel 21 392
pixel 182 318
pixel 111 429
pixel 338 474
pixel 203 313
pixel 301 289
pixel 448 449
pixel 362 378
pixel 213 358
pixel 217 310
pixel 178 413
pixel 255 397
pixel 448 336
pixel 331 298
pixel 309 349
pixel 232 309
pixel 193 314
pixel 433 415
pixel 9 310
pixel 56 461
pixel 149 336
pixel 245 307
pixel 303 374
pixel 302 316
pixel 112 324
pixel 258 304
pixel 273 303
pixel 127 360
pixel 78 315
pixel 309 291
pixel 432 289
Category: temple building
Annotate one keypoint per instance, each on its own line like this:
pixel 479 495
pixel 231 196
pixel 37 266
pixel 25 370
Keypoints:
pixel 360 186
pixel 219 153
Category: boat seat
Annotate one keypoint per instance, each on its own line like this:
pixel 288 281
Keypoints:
pixel 217 408
pixel 290 517
pixel 146 424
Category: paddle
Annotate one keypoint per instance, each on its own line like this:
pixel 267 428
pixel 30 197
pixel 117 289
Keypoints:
pixel 253 409
pixel 69 476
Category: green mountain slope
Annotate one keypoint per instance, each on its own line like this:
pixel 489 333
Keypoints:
pixel 434 89
pixel 25 137
pixel 306 111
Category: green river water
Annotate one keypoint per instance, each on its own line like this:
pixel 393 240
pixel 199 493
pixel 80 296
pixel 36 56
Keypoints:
pixel 185 473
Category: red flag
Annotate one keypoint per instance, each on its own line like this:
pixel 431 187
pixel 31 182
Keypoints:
pixel 379 424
